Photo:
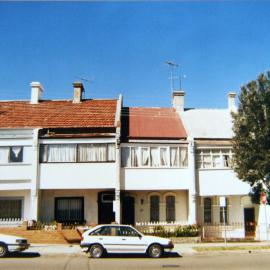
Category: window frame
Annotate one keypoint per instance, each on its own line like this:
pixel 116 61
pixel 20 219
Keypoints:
pixel 168 209
pixel 45 146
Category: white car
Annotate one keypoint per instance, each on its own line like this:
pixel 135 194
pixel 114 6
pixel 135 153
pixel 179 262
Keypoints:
pixel 10 243
pixel 122 239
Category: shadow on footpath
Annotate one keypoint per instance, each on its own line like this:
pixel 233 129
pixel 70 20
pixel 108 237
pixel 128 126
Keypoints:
pixel 142 256
pixel 23 255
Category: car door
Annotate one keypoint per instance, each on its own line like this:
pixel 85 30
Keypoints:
pixel 132 241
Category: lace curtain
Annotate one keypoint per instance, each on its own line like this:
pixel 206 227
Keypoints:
pixel 62 153
pixel 145 156
pixel 154 157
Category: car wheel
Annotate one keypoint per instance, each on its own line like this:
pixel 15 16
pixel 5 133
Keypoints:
pixel 155 251
pixel 3 250
pixel 96 251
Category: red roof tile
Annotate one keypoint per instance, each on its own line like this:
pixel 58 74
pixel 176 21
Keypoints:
pixel 58 114
pixel 161 123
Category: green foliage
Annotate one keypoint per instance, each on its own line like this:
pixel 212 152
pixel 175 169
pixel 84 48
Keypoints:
pixel 251 142
pixel 180 231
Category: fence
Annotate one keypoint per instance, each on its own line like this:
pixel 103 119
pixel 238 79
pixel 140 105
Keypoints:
pixel 10 222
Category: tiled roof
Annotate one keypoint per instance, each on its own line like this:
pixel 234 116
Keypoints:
pixel 58 114
pixel 155 123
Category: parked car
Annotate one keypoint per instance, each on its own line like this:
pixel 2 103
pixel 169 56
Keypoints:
pixel 122 239
pixel 10 243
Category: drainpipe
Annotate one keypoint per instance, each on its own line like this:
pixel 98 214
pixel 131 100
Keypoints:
pixel 117 201
pixel 192 189
pixel 34 197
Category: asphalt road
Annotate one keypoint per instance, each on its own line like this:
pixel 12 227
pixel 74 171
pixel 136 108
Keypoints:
pixel 215 261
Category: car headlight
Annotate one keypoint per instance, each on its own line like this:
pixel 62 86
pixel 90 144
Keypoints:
pixel 21 241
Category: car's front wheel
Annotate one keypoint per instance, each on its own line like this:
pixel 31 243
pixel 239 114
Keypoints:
pixel 96 251
pixel 155 251
pixel 3 250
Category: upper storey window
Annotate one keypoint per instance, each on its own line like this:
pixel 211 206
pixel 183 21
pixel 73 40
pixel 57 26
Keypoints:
pixel 156 156
pixel 214 158
pixel 11 154
pixel 77 153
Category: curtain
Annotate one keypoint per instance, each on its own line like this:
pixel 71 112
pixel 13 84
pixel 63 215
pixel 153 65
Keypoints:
pixel 174 156
pixel 154 151
pixel 111 152
pixel 16 154
pixel 134 157
pixel 145 156
pixel 125 157
pixel 206 161
pixel 4 151
pixel 183 157
pixel 62 153
pixel 164 157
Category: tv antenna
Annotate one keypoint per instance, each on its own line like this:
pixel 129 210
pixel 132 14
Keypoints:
pixel 173 66
pixel 84 80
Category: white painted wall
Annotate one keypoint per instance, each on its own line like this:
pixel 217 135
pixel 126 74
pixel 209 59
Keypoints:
pixel 90 203
pixel 25 194
pixel 220 182
pixel 77 175
pixel 155 179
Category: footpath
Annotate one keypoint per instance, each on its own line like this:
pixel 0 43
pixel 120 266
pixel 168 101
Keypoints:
pixel 185 249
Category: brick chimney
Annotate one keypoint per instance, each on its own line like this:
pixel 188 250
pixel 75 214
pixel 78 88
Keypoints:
pixel 178 100
pixel 36 92
pixel 78 89
pixel 231 102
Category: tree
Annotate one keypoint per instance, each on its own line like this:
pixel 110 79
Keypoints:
pixel 251 141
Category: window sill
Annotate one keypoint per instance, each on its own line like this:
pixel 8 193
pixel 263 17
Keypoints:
pixel 16 164
pixel 215 169
pixel 154 168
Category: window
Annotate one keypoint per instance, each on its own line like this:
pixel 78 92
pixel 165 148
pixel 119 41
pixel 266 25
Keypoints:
pixel 11 154
pixel 154 208
pixel 223 211
pixel 77 152
pixel 156 156
pixel 69 209
pixel 170 208
pixel 214 158
pixel 207 203
pixel 127 231
pixel 11 208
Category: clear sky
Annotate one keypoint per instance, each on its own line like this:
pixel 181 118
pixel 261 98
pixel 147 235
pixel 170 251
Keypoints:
pixel 122 47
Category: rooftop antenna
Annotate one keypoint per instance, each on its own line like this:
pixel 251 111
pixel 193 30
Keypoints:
pixel 173 66
pixel 84 80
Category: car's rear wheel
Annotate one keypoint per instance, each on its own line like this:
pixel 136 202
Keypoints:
pixel 96 251
pixel 3 250
pixel 155 251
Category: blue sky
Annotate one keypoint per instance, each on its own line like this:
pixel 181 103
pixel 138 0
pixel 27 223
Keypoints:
pixel 122 48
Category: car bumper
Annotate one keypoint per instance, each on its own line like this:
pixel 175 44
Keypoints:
pixel 18 247
pixel 84 247
pixel 169 246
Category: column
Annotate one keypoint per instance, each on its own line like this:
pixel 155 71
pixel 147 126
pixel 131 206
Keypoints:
pixel 117 202
pixel 192 187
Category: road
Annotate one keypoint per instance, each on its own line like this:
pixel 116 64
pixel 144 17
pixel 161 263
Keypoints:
pixel 215 261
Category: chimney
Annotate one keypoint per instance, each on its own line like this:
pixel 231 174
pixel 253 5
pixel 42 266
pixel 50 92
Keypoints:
pixel 178 100
pixel 78 90
pixel 36 92
pixel 231 102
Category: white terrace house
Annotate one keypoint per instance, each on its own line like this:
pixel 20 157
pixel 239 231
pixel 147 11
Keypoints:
pixel 211 130
pixel 59 160
pixel 157 176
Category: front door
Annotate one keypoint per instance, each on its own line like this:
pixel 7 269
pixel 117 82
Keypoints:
pixel 128 210
pixel 105 207
pixel 249 217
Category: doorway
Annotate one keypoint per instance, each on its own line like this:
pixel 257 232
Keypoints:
pixel 105 207
pixel 250 225
pixel 128 210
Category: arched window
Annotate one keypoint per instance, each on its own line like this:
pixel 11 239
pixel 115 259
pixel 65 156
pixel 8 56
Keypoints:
pixel 207 203
pixel 154 208
pixel 170 208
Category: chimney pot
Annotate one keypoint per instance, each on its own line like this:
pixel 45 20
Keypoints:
pixel 78 89
pixel 36 92
pixel 178 100
pixel 231 101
